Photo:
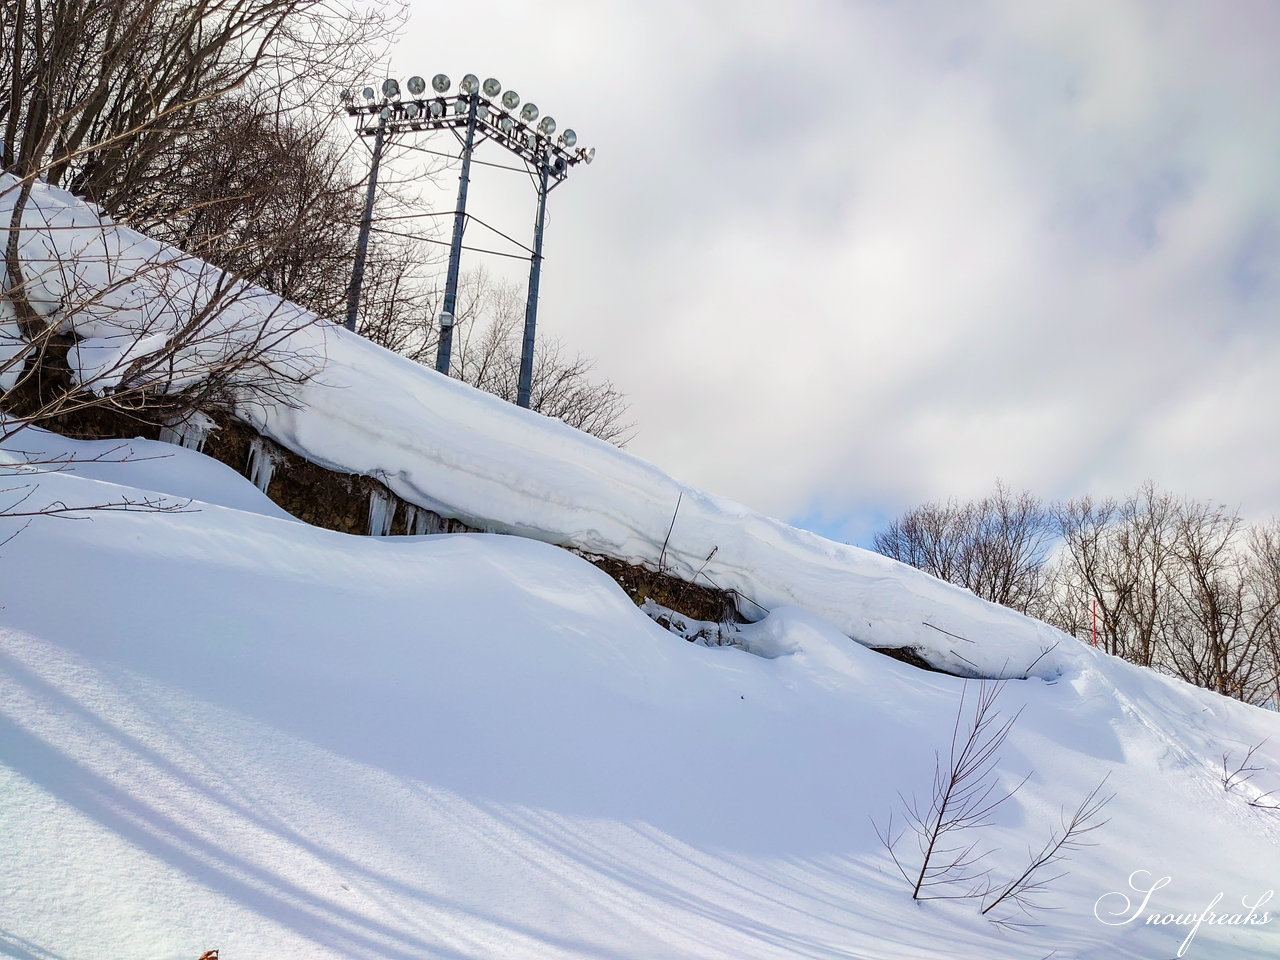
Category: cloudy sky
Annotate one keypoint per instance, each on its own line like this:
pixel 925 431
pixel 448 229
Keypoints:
pixel 848 256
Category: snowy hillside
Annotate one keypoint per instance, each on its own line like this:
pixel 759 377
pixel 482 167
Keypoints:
pixel 221 728
pixel 465 454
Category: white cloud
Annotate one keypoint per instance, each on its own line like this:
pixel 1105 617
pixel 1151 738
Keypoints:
pixel 846 257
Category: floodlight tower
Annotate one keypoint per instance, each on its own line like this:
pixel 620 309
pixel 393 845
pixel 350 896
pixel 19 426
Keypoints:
pixel 366 219
pixel 478 110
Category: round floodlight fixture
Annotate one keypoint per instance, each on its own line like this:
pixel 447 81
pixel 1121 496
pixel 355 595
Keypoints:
pixel 470 84
pixel 568 138
pixel 491 88
pixel 511 99
pixel 459 107
pixel 386 113
pixel 411 110
pixel 548 126
pixel 586 155
pixel 390 88
pixel 529 112
pixel 346 95
pixel 440 83
pixel 436 109
pixel 416 86
pixel 506 124
pixel 368 93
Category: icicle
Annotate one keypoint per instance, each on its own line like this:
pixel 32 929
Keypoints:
pixel 412 520
pixel 262 463
pixel 419 521
pixel 382 512
pixel 190 432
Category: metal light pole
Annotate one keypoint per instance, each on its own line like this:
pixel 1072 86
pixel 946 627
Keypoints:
pixel 531 302
pixel 366 224
pixel 476 112
pixel 445 347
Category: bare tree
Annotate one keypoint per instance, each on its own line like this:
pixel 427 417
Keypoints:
pixel 996 546
pixel 1115 558
pixel 266 196
pixel 1175 584
pixel 1238 772
pixel 1179 585
pixel 18 501
pixel 965 794
pixel 1264 577
pixel 487 345
pixel 146 329
pixel 1016 902
pixel 131 104
pixel 1218 635
pixel 948 832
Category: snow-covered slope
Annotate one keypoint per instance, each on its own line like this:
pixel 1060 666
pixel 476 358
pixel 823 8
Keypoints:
pixel 225 729
pixel 440 444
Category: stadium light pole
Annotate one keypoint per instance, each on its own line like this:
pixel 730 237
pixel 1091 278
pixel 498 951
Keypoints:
pixel 525 387
pixel 479 112
pixel 366 220
pixel 444 348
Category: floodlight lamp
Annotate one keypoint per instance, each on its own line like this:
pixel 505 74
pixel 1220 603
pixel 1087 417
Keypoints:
pixel 411 110
pixel 586 155
pixel 440 83
pixel 511 99
pixel 346 95
pixel 568 138
pixel 469 85
pixel 548 126
pixel 506 124
pixel 386 113
pixel 416 86
pixel 436 108
pixel 368 93
pixel 491 88
pixel 390 88
pixel 529 112
pixel 460 107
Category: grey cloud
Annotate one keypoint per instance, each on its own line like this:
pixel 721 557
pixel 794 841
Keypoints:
pixel 849 256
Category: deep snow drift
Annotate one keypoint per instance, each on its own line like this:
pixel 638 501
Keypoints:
pixel 222 728
pixel 440 444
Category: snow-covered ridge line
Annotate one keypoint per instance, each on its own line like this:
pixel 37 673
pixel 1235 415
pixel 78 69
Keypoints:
pixel 443 445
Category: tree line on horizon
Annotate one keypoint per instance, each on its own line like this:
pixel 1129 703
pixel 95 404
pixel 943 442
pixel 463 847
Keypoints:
pixel 1179 585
